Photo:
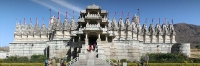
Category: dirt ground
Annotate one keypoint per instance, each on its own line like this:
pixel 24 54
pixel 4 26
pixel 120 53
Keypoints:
pixel 195 53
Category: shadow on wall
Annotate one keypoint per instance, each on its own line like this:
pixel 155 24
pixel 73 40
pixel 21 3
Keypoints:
pixel 176 48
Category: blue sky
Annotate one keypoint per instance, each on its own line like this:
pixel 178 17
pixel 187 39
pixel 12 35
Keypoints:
pixel 187 11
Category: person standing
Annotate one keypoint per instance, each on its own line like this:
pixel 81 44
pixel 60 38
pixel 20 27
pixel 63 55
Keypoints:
pixel 53 62
pixel 94 46
pixel 49 62
pixel 46 62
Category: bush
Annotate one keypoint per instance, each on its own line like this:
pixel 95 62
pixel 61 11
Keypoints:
pixel 166 58
pixel 24 59
pixel 1 60
pixel 37 58
pixel 22 64
pixel 194 60
pixel 16 59
pixel 113 60
pixel 123 60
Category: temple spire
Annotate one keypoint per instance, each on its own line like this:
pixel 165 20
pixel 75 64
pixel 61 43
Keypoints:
pixel 172 21
pixel 152 20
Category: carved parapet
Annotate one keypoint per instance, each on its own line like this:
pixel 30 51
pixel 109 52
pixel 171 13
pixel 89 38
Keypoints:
pixel 37 38
pixel 153 39
pixel 44 38
pixel 17 38
pixel 30 38
pixel 167 39
pixel 59 34
pixel 160 40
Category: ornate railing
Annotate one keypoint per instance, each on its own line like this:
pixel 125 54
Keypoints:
pixel 73 61
pixel 93 16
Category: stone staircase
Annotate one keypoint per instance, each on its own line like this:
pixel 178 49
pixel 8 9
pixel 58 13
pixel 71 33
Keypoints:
pixel 89 58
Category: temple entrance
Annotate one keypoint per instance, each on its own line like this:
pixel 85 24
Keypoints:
pixel 92 39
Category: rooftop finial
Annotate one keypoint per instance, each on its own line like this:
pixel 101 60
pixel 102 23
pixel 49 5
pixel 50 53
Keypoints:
pixel 121 14
pixel 16 21
pixel 31 20
pixel 172 21
pixel 159 21
pixel 36 21
pixel 58 15
pixel 115 15
pixel 66 15
pixel 165 22
pixel 73 14
pixel 146 21
pixel 108 14
pixel 43 20
pixel 152 20
pixel 24 21
pixel 128 14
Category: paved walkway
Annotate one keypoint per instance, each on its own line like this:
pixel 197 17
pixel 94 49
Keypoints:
pixel 90 61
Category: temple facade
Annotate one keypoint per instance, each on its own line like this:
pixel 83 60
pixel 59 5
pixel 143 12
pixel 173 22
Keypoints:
pixel 115 38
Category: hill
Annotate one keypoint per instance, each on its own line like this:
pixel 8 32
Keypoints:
pixel 187 33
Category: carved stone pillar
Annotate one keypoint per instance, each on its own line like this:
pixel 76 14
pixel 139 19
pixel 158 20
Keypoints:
pixel 72 49
pixel 86 38
pixel 106 38
pixel 73 38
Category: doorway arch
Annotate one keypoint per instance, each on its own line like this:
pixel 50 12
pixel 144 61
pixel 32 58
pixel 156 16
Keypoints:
pixel 92 38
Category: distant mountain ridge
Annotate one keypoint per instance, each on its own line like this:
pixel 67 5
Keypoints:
pixel 187 33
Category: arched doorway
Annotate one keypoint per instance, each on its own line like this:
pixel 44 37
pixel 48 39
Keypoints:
pixel 92 39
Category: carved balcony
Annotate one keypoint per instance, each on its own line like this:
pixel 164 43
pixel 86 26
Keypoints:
pixel 104 19
pixel 81 20
pixel 93 16
pixel 92 27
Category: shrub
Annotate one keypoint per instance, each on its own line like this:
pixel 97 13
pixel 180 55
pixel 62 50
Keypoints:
pixel 22 64
pixel 113 60
pixel 123 60
pixel 1 60
pixel 166 58
pixel 37 58
pixel 16 59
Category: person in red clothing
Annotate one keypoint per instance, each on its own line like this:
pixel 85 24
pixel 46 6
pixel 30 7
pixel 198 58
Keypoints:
pixel 90 47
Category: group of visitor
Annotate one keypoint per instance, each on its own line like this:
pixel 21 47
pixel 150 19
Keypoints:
pixel 92 46
pixel 52 62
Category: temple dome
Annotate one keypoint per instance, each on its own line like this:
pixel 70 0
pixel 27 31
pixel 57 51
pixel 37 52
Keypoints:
pixel 93 6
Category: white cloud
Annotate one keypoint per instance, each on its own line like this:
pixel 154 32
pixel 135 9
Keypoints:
pixel 68 5
pixel 48 5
